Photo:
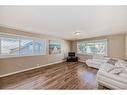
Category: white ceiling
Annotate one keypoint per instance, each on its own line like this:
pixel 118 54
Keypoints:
pixel 63 21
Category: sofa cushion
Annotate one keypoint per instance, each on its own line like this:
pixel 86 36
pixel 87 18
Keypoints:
pixel 124 75
pixel 121 63
pixel 118 64
pixel 112 61
pixel 124 63
pixel 106 67
pixel 116 70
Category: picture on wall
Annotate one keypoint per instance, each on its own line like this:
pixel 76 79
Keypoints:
pixel 54 47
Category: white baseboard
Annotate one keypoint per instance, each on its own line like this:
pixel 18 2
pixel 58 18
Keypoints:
pixel 82 61
pixel 4 75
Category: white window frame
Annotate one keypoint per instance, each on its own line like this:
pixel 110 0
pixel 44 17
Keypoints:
pixel 93 41
pixel 23 37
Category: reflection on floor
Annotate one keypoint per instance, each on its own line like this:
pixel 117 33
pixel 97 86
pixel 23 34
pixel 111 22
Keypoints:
pixel 58 76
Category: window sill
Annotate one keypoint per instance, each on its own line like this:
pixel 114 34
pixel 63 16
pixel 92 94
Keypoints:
pixel 17 56
pixel 89 54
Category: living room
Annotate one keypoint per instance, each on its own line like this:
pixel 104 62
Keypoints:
pixel 37 44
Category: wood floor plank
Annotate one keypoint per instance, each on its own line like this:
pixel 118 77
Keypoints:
pixel 58 76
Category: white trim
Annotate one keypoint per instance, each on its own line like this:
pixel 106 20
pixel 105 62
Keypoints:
pixel 93 40
pixel 20 36
pixel 16 56
pixel 4 75
pixel 82 61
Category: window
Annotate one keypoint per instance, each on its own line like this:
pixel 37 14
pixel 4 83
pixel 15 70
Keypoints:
pixel 38 46
pixel 98 47
pixel 26 46
pixel 13 45
pixel 9 45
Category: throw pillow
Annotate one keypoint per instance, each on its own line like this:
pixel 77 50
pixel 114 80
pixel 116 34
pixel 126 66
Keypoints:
pixel 112 61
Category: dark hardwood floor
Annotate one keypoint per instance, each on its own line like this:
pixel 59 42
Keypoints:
pixel 58 76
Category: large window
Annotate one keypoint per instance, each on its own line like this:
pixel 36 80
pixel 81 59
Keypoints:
pixel 14 46
pixel 98 47
pixel 8 45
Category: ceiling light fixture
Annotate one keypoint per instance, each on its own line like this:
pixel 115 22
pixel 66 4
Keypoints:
pixel 77 33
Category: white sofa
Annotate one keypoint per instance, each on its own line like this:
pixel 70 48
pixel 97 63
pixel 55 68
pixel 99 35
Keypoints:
pixel 113 76
pixel 96 61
